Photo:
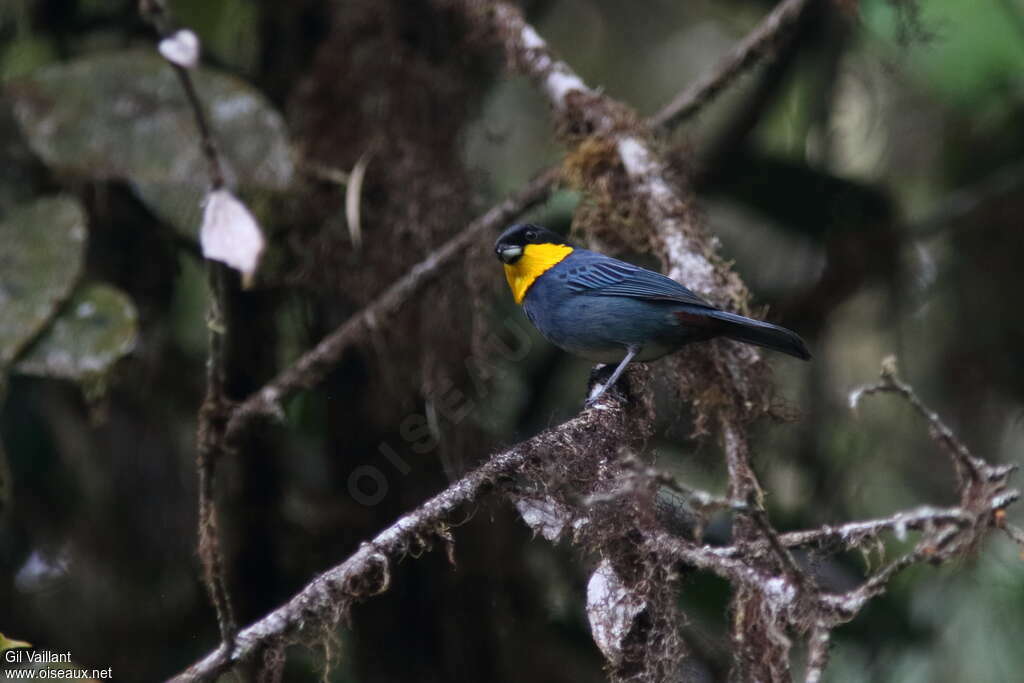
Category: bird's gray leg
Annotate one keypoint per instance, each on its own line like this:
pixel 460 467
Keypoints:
pixel 630 354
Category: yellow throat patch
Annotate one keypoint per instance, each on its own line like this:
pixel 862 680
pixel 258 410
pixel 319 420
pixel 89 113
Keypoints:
pixel 536 260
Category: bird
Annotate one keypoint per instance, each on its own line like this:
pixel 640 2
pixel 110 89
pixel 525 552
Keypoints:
pixel 610 311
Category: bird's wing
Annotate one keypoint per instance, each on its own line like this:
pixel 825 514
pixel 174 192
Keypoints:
pixel 606 276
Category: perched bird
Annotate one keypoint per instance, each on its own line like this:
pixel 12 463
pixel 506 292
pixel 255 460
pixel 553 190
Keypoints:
pixel 610 311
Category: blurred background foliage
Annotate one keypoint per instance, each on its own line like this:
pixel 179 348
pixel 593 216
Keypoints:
pixel 868 183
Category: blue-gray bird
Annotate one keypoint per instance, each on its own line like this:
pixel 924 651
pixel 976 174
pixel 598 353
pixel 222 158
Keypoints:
pixel 610 311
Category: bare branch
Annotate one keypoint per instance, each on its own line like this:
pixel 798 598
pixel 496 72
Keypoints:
pixel 766 36
pixel 973 471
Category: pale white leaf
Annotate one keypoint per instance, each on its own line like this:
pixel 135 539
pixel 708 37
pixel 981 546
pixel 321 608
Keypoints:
pixel 230 234
pixel 544 516
pixel 181 48
pixel 611 609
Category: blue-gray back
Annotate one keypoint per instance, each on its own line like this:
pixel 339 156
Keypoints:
pixel 595 306
pixel 587 272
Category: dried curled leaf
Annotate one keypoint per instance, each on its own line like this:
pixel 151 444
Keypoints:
pixel 354 199
pixel 40 261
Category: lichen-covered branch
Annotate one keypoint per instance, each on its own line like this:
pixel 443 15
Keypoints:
pixel 366 573
pixel 575 479
pixel 776 597
pixel 854 534
pixel 688 251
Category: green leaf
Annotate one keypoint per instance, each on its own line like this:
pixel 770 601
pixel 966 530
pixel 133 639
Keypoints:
pixel 974 57
pixel 40 260
pixel 96 328
pixel 124 115
pixel 9 644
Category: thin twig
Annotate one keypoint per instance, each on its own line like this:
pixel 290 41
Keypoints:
pixel 847 605
pixel 853 534
pixel 781 552
pixel 768 34
pixel 208 146
pixel 746 491
pixel 968 467
pixel 211 446
pixel 156 13
pixel 210 433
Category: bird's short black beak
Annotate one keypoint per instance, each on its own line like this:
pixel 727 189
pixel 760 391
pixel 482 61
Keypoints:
pixel 508 253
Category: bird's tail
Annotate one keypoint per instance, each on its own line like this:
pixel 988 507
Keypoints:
pixel 760 333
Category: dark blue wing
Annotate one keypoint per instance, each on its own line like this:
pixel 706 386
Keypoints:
pixel 592 273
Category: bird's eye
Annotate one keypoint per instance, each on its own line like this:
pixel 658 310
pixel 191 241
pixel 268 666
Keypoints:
pixel 531 235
